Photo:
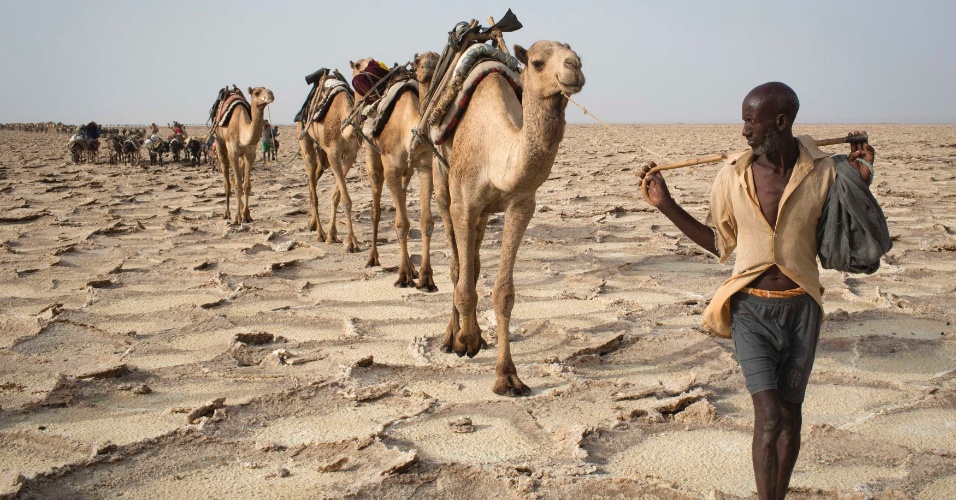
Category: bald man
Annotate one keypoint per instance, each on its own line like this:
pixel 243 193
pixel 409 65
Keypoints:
pixel 766 206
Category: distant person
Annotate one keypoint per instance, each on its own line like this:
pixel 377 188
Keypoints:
pixel 267 141
pixel 767 205
pixel 275 142
pixel 177 129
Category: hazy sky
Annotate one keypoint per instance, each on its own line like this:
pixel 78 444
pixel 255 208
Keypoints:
pixel 645 62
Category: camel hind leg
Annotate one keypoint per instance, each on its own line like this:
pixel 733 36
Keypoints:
pixel 312 163
pixel 376 178
pixel 406 271
pixel 226 174
pixel 426 279
pixel 442 200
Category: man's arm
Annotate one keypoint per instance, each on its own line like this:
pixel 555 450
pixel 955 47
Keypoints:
pixel 661 198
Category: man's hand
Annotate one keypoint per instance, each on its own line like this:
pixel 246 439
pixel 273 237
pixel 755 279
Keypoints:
pixel 862 150
pixel 656 187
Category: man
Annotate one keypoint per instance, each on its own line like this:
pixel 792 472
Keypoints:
pixel 266 140
pixel 767 206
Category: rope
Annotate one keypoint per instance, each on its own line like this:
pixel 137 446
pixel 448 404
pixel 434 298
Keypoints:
pixel 592 115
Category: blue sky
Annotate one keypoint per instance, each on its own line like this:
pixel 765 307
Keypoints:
pixel 645 62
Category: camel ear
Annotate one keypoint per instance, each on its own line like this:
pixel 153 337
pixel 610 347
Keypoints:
pixel 351 64
pixel 521 54
pixel 250 91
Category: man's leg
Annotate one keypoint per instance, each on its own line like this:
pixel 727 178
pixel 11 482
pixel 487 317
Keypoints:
pixel 788 444
pixel 768 426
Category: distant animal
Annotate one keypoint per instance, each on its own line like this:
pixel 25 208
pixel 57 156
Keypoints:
pixel 236 143
pixel 194 150
pixel 131 150
pixel 114 146
pixel 176 145
pixel 157 150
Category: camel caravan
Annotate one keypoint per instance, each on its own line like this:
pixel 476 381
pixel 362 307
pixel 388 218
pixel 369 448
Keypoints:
pixel 478 125
pixel 123 144
pixel 480 128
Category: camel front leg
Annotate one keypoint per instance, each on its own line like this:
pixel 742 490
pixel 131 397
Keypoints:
pixel 376 178
pixel 307 148
pixel 348 160
pixel 517 217
pixel 247 186
pixel 426 280
pixel 406 271
pixel 237 182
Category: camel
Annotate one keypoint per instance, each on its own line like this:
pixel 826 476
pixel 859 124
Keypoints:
pixel 392 166
pixel 236 145
pixel 501 152
pixel 327 144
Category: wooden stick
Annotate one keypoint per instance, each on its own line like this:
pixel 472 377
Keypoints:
pixel 704 160
pixel 499 38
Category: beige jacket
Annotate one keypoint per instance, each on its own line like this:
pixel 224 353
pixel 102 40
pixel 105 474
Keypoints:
pixel 740 225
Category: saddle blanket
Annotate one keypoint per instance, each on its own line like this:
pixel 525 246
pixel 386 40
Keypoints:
pixel 445 127
pixel 377 114
pixel 228 105
pixel 330 89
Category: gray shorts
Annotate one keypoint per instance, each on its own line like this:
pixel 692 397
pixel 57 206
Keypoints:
pixel 776 342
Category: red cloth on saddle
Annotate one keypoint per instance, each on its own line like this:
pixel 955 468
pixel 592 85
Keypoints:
pixel 372 74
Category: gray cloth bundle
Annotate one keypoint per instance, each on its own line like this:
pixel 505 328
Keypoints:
pixel 852 234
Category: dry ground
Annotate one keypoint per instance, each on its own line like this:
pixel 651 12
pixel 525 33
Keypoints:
pixel 126 368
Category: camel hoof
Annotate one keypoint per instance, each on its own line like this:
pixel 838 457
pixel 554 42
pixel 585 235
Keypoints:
pixel 402 283
pixel 312 226
pixel 446 348
pixel 482 344
pixel 352 249
pixel 372 262
pixel 427 287
pixel 510 386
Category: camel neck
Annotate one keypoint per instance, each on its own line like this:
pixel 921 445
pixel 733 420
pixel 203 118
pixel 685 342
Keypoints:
pixel 251 130
pixel 541 134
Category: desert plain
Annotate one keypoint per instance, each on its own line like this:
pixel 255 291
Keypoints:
pixel 150 349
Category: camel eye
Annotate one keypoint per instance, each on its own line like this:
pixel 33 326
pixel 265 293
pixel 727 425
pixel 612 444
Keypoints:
pixel 538 65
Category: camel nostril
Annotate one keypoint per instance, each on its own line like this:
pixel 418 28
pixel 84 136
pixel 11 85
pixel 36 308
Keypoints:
pixel 572 63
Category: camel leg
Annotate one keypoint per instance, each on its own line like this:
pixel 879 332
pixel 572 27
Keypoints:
pixel 406 271
pixel 517 217
pixel 426 279
pixel 376 177
pixel 227 176
pixel 466 296
pixel 247 186
pixel 341 163
pixel 237 180
pixel 482 225
pixel 441 202
pixel 311 171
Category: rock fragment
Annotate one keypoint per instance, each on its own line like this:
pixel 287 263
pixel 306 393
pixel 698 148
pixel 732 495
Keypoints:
pixel 206 410
pixel 461 425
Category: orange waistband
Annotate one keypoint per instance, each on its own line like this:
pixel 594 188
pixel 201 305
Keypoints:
pixel 773 294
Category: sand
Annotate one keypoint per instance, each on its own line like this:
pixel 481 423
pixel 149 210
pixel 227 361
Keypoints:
pixel 123 370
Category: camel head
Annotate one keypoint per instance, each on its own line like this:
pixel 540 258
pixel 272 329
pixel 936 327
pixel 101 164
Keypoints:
pixel 261 96
pixel 550 69
pixel 359 66
pixel 424 67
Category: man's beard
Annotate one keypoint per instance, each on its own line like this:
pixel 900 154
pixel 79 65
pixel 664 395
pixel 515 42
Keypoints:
pixel 772 144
